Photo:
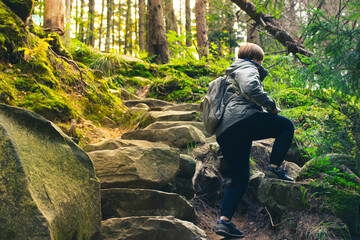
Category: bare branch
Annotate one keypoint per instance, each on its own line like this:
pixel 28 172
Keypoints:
pixel 270 24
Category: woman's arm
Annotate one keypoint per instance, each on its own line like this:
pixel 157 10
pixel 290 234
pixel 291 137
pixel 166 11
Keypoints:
pixel 251 88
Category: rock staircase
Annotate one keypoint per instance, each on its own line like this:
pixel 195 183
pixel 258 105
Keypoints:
pixel 146 174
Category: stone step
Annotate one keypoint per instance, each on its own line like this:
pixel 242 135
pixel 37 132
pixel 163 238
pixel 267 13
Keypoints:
pixel 115 143
pixel 150 228
pixel 152 103
pixel 168 124
pixel 156 116
pixel 125 202
pixel 179 137
pixel 136 167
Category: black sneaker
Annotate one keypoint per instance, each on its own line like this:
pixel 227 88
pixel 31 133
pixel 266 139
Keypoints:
pixel 279 173
pixel 227 229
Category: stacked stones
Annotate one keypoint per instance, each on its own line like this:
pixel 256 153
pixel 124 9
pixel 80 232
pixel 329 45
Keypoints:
pixel 146 174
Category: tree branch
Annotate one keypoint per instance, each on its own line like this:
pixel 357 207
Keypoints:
pixel 269 23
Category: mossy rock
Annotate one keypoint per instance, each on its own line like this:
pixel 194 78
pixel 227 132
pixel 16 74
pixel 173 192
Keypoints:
pixel 48 185
pixel 342 204
pixel 12 35
pixel 326 163
pixel 22 8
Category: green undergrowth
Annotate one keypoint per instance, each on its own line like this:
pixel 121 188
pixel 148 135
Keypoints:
pixel 37 73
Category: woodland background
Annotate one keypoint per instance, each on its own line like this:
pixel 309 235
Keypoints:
pixel 312 51
pixel 75 62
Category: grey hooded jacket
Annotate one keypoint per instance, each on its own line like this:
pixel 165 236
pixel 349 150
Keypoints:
pixel 245 77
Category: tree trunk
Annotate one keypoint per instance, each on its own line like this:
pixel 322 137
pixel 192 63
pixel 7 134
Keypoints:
pixel 68 23
pixel 113 28
pixel 201 28
pixel 91 23
pixel 81 29
pixel 170 18
pixel 54 15
pixel 120 17
pixel 142 25
pixel 101 23
pixel 128 34
pixel 108 27
pixel 157 40
pixel 76 17
pixel 270 24
pixel 188 23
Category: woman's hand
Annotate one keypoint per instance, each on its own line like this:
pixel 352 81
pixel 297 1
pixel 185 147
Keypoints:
pixel 275 111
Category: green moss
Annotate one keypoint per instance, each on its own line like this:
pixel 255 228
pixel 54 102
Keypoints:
pixel 54 106
pixel 191 69
pixel 177 86
pixel 8 91
pixel 12 35
pixel 22 8
pixel 343 204
pixel 58 46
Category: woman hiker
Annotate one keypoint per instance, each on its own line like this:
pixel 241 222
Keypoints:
pixel 245 120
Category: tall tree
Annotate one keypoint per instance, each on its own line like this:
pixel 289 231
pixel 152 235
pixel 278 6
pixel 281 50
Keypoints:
pixel 68 22
pixel 110 4
pixel 91 23
pixel 142 25
pixel 188 23
pixel 120 22
pixel 54 15
pixel 157 39
pixel 81 24
pixel 170 17
pixel 101 22
pixel 201 28
pixel 128 33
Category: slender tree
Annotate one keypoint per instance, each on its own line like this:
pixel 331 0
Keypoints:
pixel 101 22
pixel 81 21
pixel 91 23
pixel 201 28
pixel 110 4
pixel 188 23
pixel 76 17
pixel 54 15
pixel 128 38
pixel 170 18
pixel 142 25
pixel 120 17
pixel 68 22
pixel 157 39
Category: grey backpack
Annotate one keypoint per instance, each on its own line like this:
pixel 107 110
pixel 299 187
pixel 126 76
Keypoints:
pixel 213 105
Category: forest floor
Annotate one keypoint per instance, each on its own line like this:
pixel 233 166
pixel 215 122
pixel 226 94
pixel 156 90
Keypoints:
pixel 254 221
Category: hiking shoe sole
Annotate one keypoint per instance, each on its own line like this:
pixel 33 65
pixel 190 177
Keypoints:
pixel 228 235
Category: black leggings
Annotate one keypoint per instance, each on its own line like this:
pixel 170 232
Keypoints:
pixel 235 144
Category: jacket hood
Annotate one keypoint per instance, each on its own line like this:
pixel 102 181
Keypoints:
pixel 243 62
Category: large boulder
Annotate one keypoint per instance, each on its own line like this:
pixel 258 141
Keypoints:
pixel 22 8
pixel 156 116
pixel 280 196
pixel 124 202
pixel 136 167
pixel 115 143
pixel 180 137
pixel 47 183
pixel 150 228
